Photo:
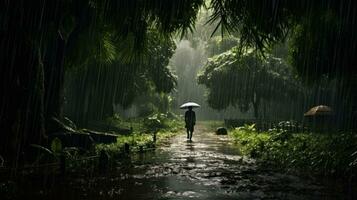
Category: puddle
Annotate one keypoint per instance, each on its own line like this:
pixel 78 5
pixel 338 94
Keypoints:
pixel 210 167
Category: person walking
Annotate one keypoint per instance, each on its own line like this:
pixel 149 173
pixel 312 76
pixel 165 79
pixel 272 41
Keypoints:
pixel 190 120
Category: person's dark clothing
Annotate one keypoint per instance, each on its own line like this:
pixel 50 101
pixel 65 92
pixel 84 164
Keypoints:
pixel 190 120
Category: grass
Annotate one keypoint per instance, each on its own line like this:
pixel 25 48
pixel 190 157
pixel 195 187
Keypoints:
pixel 333 154
pixel 143 135
pixel 79 163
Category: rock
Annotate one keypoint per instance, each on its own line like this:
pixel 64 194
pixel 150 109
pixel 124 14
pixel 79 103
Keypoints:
pixel 73 139
pixel 101 137
pixel 221 131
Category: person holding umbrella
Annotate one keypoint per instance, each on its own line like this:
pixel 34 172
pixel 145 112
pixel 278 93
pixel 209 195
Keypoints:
pixel 190 118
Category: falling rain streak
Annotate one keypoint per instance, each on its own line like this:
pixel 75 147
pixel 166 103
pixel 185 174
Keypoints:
pixel 90 95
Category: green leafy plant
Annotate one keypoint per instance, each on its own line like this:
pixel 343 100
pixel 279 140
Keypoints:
pixel 332 154
pixel 247 128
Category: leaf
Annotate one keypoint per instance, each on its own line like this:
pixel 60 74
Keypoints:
pixel 56 146
pixel 42 148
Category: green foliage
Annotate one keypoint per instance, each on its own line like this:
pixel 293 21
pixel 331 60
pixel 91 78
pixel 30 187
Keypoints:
pixel 56 146
pixel 322 31
pixel 143 137
pixel 52 154
pixel 326 154
pixel 247 128
pixel 244 79
pixel 134 140
pixel 155 122
pixel 218 45
pixel 153 102
pixel 100 85
pixel 76 32
pixel 252 19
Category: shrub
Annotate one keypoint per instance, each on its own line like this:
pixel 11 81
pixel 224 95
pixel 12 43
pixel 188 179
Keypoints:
pixel 326 154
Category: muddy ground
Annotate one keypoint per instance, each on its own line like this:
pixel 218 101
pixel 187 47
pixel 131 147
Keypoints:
pixel 209 167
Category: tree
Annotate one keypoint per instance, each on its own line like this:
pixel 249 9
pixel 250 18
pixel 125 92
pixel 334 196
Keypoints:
pixel 322 39
pixel 245 80
pixel 39 38
pixel 92 90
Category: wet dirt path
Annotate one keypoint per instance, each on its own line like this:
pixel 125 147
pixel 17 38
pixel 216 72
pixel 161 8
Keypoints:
pixel 209 167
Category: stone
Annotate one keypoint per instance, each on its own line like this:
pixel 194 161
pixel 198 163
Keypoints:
pixel 221 131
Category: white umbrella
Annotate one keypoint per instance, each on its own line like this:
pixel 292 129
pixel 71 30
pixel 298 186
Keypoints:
pixel 189 104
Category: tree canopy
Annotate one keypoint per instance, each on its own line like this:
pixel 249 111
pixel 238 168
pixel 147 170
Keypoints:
pixel 245 80
pixel 322 32
pixel 101 85
pixel 40 40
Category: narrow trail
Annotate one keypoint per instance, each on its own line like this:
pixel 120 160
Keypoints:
pixel 209 167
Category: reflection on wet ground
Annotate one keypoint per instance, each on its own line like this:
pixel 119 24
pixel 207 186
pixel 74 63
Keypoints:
pixel 209 167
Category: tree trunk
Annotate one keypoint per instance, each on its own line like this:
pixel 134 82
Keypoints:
pixel 256 110
pixel 21 102
pixel 256 102
pixel 54 83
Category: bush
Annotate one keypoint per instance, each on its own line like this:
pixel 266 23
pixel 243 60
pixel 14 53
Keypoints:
pixel 325 154
pixel 142 137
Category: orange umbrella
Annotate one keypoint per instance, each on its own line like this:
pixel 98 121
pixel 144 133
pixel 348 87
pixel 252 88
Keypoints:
pixel 319 110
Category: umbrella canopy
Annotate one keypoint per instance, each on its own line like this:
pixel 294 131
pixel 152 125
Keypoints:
pixel 189 104
pixel 320 110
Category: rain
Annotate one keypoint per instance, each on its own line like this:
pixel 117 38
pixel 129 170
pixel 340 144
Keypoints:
pixel 181 99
